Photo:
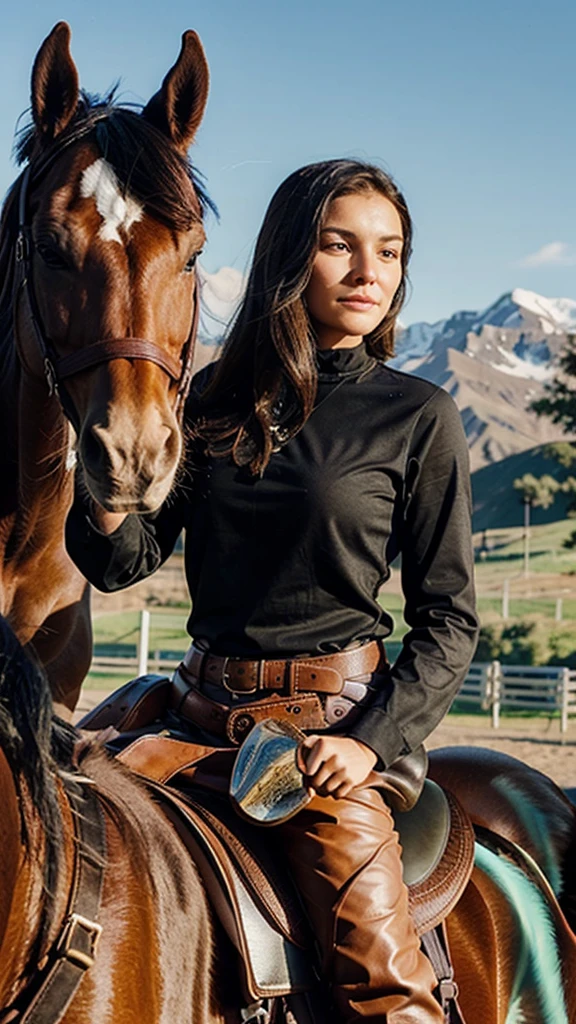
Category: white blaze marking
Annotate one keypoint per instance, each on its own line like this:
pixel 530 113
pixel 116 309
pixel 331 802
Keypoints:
pixel 116 210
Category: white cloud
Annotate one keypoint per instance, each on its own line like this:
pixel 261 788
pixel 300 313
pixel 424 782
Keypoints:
pixel 554 254
pixel 220 295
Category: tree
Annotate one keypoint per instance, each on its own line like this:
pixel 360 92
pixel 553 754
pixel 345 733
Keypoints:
pixel 559 402
pixel 563 452
pixel 537 491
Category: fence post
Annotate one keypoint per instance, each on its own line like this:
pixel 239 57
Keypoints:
pixel 558 615
pixel 496 691
pixel 143 642
pixel 565 699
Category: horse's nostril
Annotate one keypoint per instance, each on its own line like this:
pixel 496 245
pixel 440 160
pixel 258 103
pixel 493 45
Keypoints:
pixel 93 450
pixel 172 444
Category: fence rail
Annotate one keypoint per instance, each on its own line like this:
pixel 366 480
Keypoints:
pixel 494 686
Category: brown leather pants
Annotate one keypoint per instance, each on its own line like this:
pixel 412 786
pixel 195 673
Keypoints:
pixel 345 858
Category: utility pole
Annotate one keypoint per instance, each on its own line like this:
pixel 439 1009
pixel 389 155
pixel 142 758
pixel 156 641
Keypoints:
pixel 527 504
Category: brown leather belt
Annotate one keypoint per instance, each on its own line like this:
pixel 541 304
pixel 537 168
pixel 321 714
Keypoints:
pixel 324 673
pixel 234 723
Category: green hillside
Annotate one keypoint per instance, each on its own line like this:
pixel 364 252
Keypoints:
pixel 497 504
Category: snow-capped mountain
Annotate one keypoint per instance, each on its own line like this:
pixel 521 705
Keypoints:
pixel 494 364
pixel 519 334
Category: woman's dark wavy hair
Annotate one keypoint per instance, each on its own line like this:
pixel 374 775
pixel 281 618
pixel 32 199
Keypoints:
pixel 270 351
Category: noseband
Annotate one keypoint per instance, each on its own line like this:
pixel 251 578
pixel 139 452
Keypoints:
pixel 57 369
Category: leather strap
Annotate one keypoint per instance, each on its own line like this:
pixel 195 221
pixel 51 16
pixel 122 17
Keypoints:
pixel 138 703
pixel 117 348
pixel 325 673
pixel 435 945
pixel 234 723
pixel 53 986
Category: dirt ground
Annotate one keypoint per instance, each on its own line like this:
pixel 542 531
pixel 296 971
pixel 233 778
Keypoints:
pixel 537 741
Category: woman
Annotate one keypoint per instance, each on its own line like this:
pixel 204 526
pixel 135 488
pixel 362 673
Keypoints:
pixel 312 466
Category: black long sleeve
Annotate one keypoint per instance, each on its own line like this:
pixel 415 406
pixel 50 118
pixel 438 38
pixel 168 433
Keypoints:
pixel 293 562
pixel 438 588
pixel 139 546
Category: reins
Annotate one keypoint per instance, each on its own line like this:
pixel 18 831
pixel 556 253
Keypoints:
pixel 46 997
pixel 58 369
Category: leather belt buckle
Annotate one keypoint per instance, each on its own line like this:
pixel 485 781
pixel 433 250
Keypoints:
pixel 225 678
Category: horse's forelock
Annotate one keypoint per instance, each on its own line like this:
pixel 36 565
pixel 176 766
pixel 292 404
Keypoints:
pixel 146 163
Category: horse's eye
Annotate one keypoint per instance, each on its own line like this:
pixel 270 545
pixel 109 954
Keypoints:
pixel 52 257
pixel 189 267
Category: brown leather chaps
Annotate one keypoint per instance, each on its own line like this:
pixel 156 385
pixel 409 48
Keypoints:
pixel 346 863
pixel 345 859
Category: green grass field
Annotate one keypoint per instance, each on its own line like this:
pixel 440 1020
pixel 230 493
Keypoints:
pixel 167 628
pixel 505 555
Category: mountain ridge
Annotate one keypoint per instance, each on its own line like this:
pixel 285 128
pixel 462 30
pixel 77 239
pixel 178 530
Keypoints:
pixel 494 363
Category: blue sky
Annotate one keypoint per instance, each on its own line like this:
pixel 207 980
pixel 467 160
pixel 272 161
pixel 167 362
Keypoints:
pixel 471 106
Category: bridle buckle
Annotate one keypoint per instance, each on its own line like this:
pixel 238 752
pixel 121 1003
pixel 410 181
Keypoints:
pixel 76 925
pixel 50 374
pixel 22 250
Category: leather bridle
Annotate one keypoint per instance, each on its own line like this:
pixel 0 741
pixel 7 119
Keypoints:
pixel 58 369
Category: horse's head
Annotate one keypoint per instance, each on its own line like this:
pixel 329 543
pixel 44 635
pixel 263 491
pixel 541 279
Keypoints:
pixel 110 227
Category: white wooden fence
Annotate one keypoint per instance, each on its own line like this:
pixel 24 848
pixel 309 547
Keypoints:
pixel 494 686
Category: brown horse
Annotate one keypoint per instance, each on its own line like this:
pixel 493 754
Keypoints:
pixel 99 239
pixel 513 952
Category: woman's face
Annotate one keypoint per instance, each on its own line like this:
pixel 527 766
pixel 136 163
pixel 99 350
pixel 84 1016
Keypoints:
pixel 357 269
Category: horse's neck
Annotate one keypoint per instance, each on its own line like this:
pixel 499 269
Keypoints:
pixel 37 477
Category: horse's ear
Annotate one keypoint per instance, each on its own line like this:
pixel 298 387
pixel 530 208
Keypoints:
pixel 54 84
pixel 178 106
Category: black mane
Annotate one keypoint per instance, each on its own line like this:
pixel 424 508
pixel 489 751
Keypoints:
pixel 145 161
pixel 34 745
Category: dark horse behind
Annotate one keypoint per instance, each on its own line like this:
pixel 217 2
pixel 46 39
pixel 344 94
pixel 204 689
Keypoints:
pixel 98 245
pixel 160 956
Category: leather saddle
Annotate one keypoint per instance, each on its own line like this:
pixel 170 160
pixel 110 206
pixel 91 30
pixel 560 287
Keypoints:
pixel 250 889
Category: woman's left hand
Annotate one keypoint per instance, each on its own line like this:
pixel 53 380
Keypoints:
pixel 335 765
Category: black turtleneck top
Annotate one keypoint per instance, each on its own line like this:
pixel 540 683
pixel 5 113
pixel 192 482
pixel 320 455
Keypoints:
pixel 292 563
